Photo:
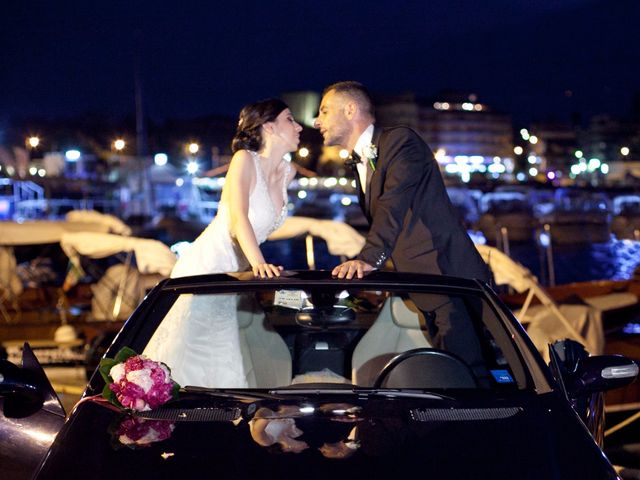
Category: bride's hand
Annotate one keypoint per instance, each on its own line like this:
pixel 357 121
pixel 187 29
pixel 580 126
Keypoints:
pixel 267 270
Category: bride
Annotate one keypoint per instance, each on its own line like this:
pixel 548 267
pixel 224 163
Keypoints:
pixel 202 348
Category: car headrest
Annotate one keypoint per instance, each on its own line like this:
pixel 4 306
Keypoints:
pixel 406 314
pixel 248 311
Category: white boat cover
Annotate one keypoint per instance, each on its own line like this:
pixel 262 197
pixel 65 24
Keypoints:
pixel 548 321
pixel 152 256
pixel 113 224
pixel 341 238
pixel 43 231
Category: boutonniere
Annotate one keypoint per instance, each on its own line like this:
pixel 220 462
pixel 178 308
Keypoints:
pixel 370 153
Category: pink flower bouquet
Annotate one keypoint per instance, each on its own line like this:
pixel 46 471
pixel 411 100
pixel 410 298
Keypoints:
pixel 137 432
pixel 136 383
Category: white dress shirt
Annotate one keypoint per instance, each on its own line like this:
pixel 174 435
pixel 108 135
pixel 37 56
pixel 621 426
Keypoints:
pixel 363 141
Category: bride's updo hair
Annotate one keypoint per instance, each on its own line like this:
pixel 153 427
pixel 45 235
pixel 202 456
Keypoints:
pixel 249 134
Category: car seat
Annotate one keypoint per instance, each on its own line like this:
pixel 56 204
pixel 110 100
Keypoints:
pixel 400 326
pixel 265 355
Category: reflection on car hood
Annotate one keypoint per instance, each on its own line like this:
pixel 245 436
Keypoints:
pixel 337 436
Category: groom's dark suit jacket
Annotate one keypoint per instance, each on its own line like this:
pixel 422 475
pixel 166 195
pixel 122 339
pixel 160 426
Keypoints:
pixel 411 217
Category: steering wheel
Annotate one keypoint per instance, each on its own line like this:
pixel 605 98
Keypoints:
pixel 438 368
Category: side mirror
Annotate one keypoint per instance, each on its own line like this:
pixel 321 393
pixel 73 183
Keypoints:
pixel 601 373
pixel 26 390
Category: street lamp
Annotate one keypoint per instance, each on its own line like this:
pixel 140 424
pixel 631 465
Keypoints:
pixel 33 141
pixel 119 144
pixel 193 148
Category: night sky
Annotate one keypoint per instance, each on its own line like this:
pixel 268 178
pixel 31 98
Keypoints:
pixel 535 59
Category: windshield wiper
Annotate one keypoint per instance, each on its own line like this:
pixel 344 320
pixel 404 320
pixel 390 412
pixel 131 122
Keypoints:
pixel 236 393
pixel 288 392
pixel 385 392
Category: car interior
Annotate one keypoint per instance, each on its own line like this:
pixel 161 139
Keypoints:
pixel 367 339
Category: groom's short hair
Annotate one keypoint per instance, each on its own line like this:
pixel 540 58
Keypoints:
pixel 357 92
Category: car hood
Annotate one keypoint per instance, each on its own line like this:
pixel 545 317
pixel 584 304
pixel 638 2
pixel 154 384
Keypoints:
pixel 335 437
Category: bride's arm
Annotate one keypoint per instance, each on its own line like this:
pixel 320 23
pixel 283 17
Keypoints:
pixel 240 179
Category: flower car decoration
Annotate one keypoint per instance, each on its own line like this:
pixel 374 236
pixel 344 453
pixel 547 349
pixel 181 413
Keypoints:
pixel 136 383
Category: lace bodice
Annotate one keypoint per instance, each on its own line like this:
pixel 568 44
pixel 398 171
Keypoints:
pixel 264 216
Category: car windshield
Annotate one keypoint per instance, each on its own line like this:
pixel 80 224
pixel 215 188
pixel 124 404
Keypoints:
pixel 339 338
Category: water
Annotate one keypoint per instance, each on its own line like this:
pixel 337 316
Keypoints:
pixel 613 260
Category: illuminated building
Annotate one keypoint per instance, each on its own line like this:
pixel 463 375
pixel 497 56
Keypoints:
pixel 465 135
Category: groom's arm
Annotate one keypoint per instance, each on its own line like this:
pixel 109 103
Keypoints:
pixel 407 160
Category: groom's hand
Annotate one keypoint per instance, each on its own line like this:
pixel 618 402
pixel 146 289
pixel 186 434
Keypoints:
pixel 351 268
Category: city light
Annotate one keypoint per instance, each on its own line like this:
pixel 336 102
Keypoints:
pixel 192 168
pixel 579 154
pixel 624 151
pixel 33 141
pixel 160 159
pixel 33 171
pixel 72 155
pixel 518 150
pixel 330 182
pixel 344 154
pixel 604 168
pixel 303 152
pixel 119 144
pixel 533 171
pixel 524 133
pixel 179 182
pixel 533 139
pixel 302 194
pixel 346 201
pixel 594 164
pixel 193 148
pixel 42 172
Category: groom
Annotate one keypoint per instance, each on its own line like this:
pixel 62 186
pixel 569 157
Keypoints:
pixel 402 193
pixel 411 218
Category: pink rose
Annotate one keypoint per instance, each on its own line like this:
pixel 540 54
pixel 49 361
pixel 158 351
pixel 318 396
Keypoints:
pixel 141 384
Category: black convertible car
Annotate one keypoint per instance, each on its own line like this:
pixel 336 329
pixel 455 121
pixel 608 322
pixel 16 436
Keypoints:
pixel 391 376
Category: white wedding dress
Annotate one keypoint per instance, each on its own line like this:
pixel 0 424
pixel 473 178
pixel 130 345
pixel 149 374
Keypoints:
pixel 198 339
